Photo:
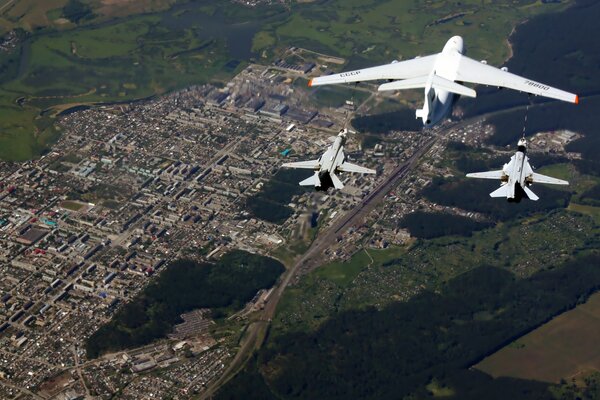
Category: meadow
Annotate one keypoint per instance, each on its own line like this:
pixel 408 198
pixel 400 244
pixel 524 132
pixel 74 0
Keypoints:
pixel 564 347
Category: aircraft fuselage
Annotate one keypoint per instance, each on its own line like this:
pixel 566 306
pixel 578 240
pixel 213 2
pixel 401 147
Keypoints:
pixel 438 102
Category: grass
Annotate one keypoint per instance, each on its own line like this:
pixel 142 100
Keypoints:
pixel 129 59
pixel 344 272
pixel 383 30
pixel 564 347
pixel 593 212
pixel 72 205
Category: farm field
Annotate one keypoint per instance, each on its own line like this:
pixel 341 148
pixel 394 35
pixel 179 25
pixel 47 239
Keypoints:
pixel 565 347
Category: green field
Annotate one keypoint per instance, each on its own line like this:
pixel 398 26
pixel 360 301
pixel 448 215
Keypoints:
pixel 383 30
pixel 563 348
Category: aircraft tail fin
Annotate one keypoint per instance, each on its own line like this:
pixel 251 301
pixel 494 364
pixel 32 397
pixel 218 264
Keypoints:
pixel 530 194
pixel 502 191
pixel 312 181
pixel 336 181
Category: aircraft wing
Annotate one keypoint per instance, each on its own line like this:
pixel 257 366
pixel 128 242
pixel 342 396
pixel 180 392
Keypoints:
pixel 348 167
pixel 397 70
pixel 314 164
pixel 487 175
pixel 539 178
pixel 473 71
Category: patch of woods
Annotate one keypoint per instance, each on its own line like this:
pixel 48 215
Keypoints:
pixel 429 225
pixel 271 203
pixel 77 11
pixel 473 195
pixel 398 350
pixel 185 285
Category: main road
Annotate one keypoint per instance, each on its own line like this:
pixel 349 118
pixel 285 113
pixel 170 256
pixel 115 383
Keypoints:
pixel 257 330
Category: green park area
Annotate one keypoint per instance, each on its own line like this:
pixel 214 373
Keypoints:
pixel 185 285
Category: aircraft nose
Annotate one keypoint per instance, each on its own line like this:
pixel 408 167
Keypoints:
pixel 459 42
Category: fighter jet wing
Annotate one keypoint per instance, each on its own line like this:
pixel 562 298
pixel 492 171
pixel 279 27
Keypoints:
pixel 348 167
pixel 487 175
pixel 397 70
pixel 473 71
pixel 539 178
pixel 314 164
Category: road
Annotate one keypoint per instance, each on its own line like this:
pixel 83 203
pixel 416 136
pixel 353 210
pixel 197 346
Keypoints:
pixel 256 332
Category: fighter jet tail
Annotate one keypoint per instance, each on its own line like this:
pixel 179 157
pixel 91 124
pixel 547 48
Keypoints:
pixel 336 181
pixel 502 191
pixel 530 194
pixel 312 181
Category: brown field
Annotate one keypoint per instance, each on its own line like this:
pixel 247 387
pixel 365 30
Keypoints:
pixel 565 347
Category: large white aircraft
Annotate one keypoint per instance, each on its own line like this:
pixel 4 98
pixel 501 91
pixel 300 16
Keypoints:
pixel 326 166
pixel 517 176
pixel 442 75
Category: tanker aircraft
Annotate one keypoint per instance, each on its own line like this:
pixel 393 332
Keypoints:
pixel 442 76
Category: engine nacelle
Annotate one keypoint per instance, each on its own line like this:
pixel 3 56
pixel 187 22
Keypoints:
pixel 505 69
pixel 484 62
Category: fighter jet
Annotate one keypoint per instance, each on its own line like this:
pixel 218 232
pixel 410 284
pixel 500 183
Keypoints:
pixel 442 75
pixel 330 163
pixel 516 177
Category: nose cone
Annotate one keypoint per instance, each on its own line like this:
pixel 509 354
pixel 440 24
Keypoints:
pixel 456 43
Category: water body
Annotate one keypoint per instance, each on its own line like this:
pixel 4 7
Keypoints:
pixel 237 35
pixel 561 50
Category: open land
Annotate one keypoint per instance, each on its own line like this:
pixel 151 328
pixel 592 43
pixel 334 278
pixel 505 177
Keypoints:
pixel 564 348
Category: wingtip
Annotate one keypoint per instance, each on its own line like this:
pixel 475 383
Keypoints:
pixel 576 99
pixel 310 83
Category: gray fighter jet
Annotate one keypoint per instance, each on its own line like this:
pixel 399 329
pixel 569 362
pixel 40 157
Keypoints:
pixel 517 176
pixel 328 165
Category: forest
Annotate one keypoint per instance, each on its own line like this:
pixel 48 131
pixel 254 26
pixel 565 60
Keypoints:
pixel 434 337
pixel 271 203
pixel 185 285
pixel 429 225
pixel 473 195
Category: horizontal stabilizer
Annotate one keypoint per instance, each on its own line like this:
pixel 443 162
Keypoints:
pixel 336 181
pixel 539 178
pixel 530 194
pixel 312 181
pixel 348 167
pixel 487 175
pixel 314 164
pixel 413 83
pixel 437 82
pixel 503 191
